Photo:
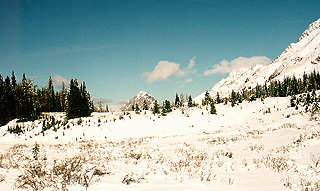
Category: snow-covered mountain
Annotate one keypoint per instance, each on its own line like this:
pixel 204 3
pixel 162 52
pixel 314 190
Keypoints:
pixel 297 58
pixel 139 99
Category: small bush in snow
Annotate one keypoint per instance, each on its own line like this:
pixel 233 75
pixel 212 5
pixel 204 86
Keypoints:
pixel 277 164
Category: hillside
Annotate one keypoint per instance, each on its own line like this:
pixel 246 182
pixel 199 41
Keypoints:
pixel 261 145
pixel 297 58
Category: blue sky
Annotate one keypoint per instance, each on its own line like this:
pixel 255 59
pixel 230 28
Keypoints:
pixel 163 47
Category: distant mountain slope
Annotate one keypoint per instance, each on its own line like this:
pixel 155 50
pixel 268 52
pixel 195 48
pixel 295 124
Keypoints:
pixel 297 58
pixel 139 99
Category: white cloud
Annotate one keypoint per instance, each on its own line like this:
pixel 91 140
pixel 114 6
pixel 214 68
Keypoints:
pixel 163 70
pixel 239 63
pixel 58 80
pixel 190 68
pixel 182 86
pixel 191 63
pixel 188 80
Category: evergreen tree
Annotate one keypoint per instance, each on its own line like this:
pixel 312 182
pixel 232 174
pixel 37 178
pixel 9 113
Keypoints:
pixel 3 119
pixel 218 99
pixel 177 101
pixel 156 109
pixel 233 98
pixel 190 102
pixel 63 96
pixel 145 105
pixel 308 99
pixel 79 103
pixel 50 96
pixel 207 99
pixel 166 106
pixel 137 109
pixel 26 106
pixel 8 100
pixel 86 103
pixel 213 109
pixel 293 101
pixel 13 100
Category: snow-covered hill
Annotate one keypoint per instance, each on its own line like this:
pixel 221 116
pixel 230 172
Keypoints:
pixel 259 145
pixel 297 58
pixel 139 99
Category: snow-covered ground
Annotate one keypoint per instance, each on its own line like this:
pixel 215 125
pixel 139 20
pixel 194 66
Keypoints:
pixel 262 145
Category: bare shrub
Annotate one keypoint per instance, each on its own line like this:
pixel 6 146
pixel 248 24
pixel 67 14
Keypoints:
pixel 13 157
pixel 283 149
pixel 278 164
pixel 68 171
pixel 287 182
pixel 257 148
pixel 316 163
pixel 131 178
pixel 2 178
pixel 309 185
pixel 35 176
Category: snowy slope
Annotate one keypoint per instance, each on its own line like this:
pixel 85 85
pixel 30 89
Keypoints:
pixel 240 148
pixel 139 99
pixel 297 58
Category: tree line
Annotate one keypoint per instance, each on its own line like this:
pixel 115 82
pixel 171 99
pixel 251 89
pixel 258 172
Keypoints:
pixel 25 101
pixel 167 106
pixel 289 86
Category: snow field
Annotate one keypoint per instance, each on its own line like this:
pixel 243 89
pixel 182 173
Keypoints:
pixel 262 145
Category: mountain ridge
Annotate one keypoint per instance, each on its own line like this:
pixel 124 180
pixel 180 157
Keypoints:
pixel 297 58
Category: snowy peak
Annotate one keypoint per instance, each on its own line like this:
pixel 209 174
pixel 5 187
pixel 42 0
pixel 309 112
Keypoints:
pixel 139 100
pixel 297 58
pixel 312 27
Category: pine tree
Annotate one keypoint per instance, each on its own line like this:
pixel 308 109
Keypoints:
pixel 167 106
pixel 137 109
pixel 207 99
pixel 73 98
pixel 63 95
pixel 145 105
pixel 13 100
pixel 177 101
pixel 156 109
pixel 293 101
pixel 233 98
pixel 218 99
pixel 86 103
pixel 3 119
pixel 190 102
pixel 51 96
pixel 213 109
pixel 26 106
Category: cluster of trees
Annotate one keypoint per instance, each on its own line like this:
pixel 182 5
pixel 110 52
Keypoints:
pixel 288 87
pixel 309 100
pixel 166 107
pixel 208 101
pixel 17 100
pixel 25 101
pixel 79 101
